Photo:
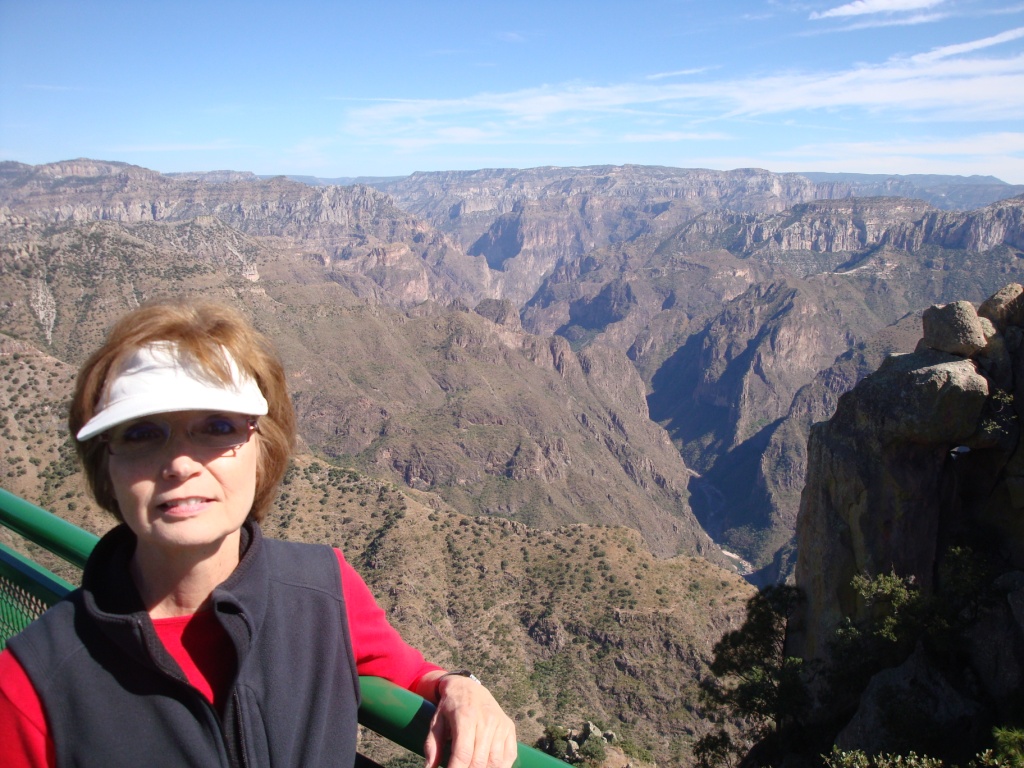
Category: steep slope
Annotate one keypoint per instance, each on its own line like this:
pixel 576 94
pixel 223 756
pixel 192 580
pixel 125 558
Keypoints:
pixel 732 314
pixel 957 193
pixel 574 623
pixel 727 291
pixel 525 221
pixel 497 420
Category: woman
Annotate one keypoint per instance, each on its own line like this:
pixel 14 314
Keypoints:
pixel 193 640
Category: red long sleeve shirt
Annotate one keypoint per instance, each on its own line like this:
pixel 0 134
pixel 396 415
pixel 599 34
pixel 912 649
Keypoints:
pixel 200 647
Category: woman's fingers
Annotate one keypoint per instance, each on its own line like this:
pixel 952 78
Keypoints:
pixel 481 735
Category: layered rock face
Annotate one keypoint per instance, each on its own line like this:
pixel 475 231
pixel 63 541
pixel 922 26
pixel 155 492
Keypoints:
pixel 923 456
pixel 729 291
pixel 357 234
pixel 525 222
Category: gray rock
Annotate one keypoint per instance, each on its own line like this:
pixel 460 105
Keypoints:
pixel 1005 307
pixel 995 359
pixel 953 328
pixel 924 397
pixel 501 312
pixel 905 699
pixel 995 645
pixel 1010 582
pixel 877 483
pixel 1016 603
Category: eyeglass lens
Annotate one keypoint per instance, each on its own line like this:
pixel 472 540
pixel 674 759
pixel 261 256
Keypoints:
pixel 213 430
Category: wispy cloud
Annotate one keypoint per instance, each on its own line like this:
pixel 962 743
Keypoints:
pixel 945 84
pixel 975 45
pixel 975 145
pixel 677 73
pixel 876 22
pixel 214 146
pixel 997 154
pixel 671 136
pixel 864 7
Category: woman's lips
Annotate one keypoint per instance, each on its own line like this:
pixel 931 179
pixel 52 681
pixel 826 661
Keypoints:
pixel 184 507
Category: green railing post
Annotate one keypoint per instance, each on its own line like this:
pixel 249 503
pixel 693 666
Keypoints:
pixel 404 718
pixel 34 523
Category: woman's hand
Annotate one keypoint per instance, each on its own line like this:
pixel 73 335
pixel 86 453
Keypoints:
pixel 481 734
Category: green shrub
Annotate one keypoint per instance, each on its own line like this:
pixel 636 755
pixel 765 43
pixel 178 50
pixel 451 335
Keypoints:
pixel 592 750
pixel 857 759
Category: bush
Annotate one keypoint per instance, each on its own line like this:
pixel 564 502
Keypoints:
pixel 592 750
pixel 631 749
pixel 857 759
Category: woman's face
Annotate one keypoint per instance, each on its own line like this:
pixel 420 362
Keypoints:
pixel 183 493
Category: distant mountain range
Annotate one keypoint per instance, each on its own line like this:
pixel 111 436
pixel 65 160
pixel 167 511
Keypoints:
pixel 615 307
pixel 951 193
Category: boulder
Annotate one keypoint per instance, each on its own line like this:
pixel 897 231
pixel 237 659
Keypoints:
pixel 953 328
pixel 909 705
pixel 1005 307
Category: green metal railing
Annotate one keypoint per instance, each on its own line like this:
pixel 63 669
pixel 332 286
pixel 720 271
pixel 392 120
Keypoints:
pixel 27 589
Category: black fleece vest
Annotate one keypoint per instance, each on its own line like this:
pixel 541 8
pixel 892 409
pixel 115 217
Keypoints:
pixel 113 696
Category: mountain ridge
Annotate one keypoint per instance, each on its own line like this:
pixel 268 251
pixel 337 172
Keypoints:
pixel 642 260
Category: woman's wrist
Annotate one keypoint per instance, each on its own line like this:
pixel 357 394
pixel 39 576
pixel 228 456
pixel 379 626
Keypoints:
pixel 447 676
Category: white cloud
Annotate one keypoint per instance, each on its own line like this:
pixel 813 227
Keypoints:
pixel 941 88
pixel 955 88
pixel 975 145
pixel 670 136
pixel 985 154
pixel 892 21
pixel 677 73
pixel 938 85
pixel 863 7
pixel 975 45
pixel 215 146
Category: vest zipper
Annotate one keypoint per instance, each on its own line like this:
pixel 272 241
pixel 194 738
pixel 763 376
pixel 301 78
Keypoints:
pixel 243 759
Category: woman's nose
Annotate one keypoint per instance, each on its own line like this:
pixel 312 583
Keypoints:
pixel 178 460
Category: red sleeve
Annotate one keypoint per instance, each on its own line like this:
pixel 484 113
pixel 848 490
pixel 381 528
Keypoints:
pixel 23 732
pixel 379 649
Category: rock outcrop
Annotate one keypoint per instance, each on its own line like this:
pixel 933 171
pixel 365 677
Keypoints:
pixel 921 457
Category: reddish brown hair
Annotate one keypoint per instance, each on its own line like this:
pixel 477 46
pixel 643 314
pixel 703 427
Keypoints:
pixel 200 329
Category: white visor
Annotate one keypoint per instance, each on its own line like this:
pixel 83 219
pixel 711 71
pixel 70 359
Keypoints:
pixel 155 379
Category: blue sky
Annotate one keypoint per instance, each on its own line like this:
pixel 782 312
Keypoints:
pixel 387 88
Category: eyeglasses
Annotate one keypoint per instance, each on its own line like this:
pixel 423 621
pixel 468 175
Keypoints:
pixel 208 431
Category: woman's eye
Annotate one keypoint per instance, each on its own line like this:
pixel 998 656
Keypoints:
pixel 138 434
pixel 216 426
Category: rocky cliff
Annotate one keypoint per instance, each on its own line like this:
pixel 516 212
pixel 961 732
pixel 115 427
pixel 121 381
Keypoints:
pixel 729 292
pixel 731 315
pixel 464 404
pixel 569 624
pixel 921 463
pixel 957 193
pixel 855 224
pixel 526 222
pixel 358 235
